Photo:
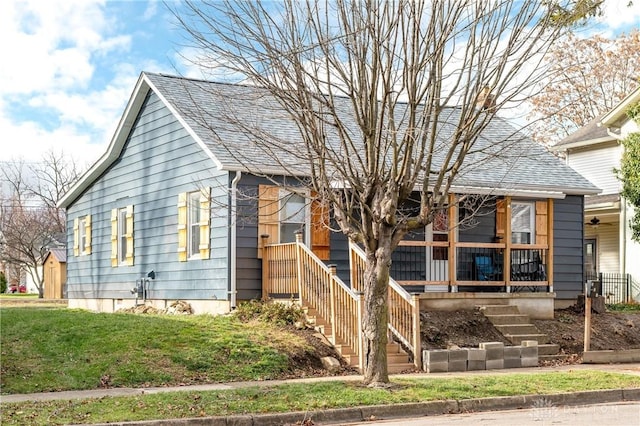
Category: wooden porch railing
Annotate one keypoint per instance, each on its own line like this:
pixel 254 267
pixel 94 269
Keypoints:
pixel 317 286
pixel 404 308
pixel 516 267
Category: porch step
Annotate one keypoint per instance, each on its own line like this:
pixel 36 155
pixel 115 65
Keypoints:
pixel 517 339
pixel 510 329
pixel 517 327
pixel 499 310
pixel 400 368
pixel 397 359
pixel 508 319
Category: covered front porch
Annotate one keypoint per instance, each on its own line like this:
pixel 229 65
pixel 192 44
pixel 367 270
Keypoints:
pixel 511 253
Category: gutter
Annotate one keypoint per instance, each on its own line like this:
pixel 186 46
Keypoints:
pixel 233 289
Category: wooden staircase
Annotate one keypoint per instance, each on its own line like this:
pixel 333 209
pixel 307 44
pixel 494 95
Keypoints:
pixel 517 327
pixel 398 360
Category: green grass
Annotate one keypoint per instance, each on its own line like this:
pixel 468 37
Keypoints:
pixel 624 307
pixel 21 296
pixel 54 349
pixel 305 397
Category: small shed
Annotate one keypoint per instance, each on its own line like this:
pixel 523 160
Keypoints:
pixel 55 273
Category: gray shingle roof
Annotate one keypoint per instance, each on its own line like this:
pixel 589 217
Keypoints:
pixel 229 119
pixel 588 132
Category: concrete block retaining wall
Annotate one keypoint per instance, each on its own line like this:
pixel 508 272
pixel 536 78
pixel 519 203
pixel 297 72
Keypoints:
pixel 488 356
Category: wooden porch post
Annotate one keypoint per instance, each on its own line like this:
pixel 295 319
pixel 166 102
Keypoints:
pixel 453 223
pixel 360 302
pixel 266 272
pixel 507 242
pixel 299 264
pixel 550 243
pixel 417 346
pixel 332 282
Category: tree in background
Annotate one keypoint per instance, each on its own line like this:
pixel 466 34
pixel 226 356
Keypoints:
pixel 629 172
pixel 398 64
pixel 587 78
pixel 30 222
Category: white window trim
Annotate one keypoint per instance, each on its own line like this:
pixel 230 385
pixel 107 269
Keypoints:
pixel 82 236
pixel 193 197
pixel 122 235
pixel 532 218
pixel 282 196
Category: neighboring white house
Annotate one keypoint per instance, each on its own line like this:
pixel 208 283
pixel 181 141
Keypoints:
pixel 595 151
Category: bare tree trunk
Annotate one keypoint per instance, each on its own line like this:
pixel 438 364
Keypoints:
pixel 376 311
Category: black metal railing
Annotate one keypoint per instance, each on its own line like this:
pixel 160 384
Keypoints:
pixel 528 265
pixel 616 288
pixel 479 264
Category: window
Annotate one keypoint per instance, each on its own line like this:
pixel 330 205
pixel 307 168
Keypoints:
pixel 82 235
pixel 281 213
pixel 122 236
pixel 193 226
pixel 292 216
pixel 194 211
pixel 523 223
pixel 440 229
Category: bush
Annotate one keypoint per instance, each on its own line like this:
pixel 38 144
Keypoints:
pixel 270 311
pixel 3 283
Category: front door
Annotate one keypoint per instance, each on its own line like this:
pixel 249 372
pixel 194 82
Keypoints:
pixel 590 259
pixel 438 257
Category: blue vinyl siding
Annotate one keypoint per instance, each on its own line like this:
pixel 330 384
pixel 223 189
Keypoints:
pixel 159 161
pixel 568 232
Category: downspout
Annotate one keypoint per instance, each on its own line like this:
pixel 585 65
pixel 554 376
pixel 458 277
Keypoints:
pixel 233 245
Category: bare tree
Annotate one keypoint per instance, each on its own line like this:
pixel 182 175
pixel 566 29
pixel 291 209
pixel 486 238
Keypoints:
pixel 587 77
pixel 30 222
pixel 368 84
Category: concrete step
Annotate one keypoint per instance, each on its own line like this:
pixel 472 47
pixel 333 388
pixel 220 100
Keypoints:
pixel 517 329
pixel 517 339
pixel 508 319
pixel 499 309
pixel 548 349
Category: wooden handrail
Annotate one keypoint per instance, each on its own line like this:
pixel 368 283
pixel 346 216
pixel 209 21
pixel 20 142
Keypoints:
pixel 294 269
pixel 404 309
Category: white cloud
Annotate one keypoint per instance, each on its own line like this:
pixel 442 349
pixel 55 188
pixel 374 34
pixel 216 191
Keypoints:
pixel 619 14
pixel 46 95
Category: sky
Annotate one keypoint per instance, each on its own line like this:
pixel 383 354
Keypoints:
pixel 70 66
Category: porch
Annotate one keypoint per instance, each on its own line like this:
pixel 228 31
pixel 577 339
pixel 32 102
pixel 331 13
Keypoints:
pixel 477 272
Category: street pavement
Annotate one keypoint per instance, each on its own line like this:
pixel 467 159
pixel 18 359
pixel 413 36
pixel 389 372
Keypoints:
pixel 358 414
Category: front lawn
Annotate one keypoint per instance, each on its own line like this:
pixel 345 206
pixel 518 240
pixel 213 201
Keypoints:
pixel 54 349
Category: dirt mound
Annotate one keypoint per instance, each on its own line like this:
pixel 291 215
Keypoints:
pixel 468 328
pixel 178 307
pixel 609 330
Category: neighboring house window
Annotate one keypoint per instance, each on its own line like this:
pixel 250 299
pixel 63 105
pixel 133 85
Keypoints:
pixel 281 213
pixel 194 211
pixel 523 222
pixel 82 235
pixel 122 236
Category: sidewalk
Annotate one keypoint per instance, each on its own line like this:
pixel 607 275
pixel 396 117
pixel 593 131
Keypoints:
pixel 360 413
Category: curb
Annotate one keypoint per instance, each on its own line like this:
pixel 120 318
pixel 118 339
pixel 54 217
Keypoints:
pixel 398 411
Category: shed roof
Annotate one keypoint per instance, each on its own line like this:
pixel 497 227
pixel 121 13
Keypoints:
pixel 59 253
